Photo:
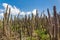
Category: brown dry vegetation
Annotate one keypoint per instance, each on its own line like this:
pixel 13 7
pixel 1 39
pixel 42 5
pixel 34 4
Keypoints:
pixel 21 29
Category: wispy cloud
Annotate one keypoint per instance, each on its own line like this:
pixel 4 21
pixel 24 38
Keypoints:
pixel 34 12
pixel 15 10
pixel 1 14
pixel 22 13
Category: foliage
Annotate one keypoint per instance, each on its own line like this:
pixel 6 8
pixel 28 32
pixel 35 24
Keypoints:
pixel 42 33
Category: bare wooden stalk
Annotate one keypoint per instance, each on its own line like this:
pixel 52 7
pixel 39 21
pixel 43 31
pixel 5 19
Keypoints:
pixel 50 25
pixel 6 24
pixel 55 23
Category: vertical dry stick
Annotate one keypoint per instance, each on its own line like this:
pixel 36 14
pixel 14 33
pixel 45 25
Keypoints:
pixel 25 22
pixel 3 25
pixel 11 26
pixel 50 23
pixel 8 16
pixel 6 26
pixel 36 19
pixel 31 29
pixel 58 27
pixel 9 23
pixel 55 22
pixel 53 33
pixel 48 29
pixel 18 15
pixel 33 21
pixel 4 20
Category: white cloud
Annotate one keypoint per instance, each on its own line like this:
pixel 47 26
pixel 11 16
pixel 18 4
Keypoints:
pixel 14 10
pixel 1 14
pixel 4 5
pixel 28 13
pixel 1 10
pixel 34 12
pixel 22 13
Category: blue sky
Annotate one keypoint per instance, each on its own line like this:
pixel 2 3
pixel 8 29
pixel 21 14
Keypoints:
pixel 30 5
